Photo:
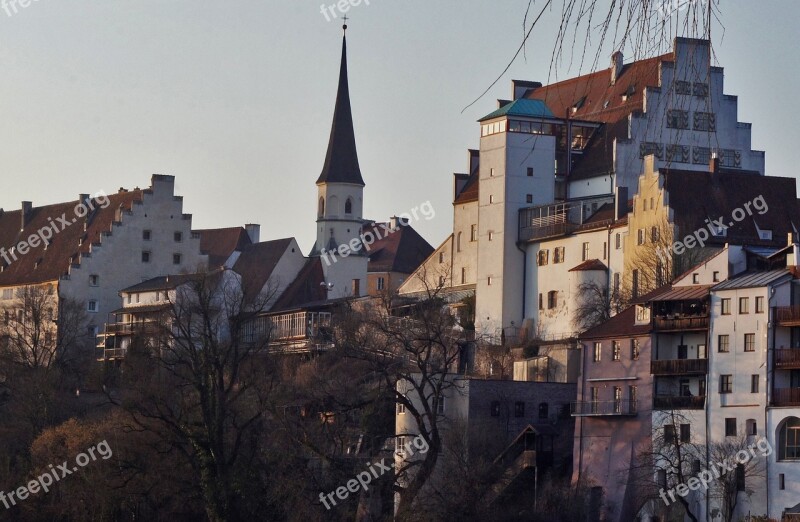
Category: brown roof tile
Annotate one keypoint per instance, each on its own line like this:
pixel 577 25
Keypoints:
pixel 401 251
pixel 220 243
pixel 621 325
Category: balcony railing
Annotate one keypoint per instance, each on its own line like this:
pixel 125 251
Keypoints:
pixel 603 408
pixel 786 397
pixel 665 324
pixel 140 327
pixel 679 367
pixel 669 402
pixel 558 218
pixel 289 328
pixel 787 358
pixel 788 315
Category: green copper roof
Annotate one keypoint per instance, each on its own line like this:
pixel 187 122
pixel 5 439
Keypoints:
pixel 522 107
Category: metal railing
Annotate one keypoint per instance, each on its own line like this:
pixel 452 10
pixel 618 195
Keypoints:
pixel 787 358
pixel 680 323
pixel 557 218
pixel 787 315
pixel 679 367
pixel 786 397
pixel 671 402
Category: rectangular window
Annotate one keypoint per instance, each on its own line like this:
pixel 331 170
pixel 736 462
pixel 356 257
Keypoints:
pixel 726 306
pixel 683 87
pixel 146 235
pixel 529 198
pixel 178 237
pixel 701 155
pixel 640 236
pixel 382 283
pixel 617 241
pixel 749 342
pixel 541 301
pixel 598 351
pixel 754 384
pixel 669 434
pixel 543 257
pixel 552 299
pixel 145 257
pixel 686 432
pixel 635 349
pixel 489 281
pixel 696 279
pixel 130 298
pixel 740 477
pixel 635 282
pixel 715 277
pixel 176 259
pixel 401 408
pixel 615 349
pixel 616 283
pixel 677 119
pixel 705 121
pixel 558 255
pixel 585 253
pixel 595 399
pixel 530 172
pixel 632 394
pixel 473 233
pixel 400 445
pixel 760 305
pixel 700 89
pixel 617 399
pixel 94 280
pixel 744 305
pixel 519 409
pixel 730 427
pixel 781 481
pixel 726 383
pixel 463 275
pixel 491 235
pixel 91 306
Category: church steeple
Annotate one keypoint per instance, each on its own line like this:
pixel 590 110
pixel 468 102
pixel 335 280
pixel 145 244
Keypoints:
pixel 341 161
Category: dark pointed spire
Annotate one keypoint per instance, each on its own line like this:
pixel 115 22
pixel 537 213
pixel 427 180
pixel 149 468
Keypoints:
pixel 341 162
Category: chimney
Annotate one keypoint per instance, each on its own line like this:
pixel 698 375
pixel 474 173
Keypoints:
pixel 27 206
pixel 616 66
pixel 621 203
pixel 254 231
pixel 713 166
pixel 397 222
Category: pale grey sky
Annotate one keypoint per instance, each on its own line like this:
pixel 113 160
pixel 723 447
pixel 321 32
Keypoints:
pixel 235 98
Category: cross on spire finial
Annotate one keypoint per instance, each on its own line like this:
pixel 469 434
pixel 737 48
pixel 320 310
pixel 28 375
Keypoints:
pixel 344 27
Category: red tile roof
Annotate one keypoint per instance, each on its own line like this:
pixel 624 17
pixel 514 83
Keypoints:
pixel 42 264
pixel 220 243
pixel 589 264
pixel 306 288
pixel 257 262
pixel 621 325
pixel 401 251
pixel 602 101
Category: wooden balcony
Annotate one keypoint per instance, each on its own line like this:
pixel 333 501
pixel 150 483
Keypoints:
pixel 786 397
pixel 679 367
pixel 603 408
pixel 787 315
pixel 680 324
pixel 670 402
pixel 787 359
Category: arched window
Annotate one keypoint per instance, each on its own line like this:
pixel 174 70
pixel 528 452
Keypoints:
pixel 458 242
pixel 321 209
pixel 333 206
pixel 348 206
pixel 789 439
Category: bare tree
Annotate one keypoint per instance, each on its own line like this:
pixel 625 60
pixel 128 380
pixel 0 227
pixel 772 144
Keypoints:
pixel 202 390
pixel 740 481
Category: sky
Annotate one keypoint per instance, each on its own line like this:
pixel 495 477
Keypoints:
pixel 235 99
